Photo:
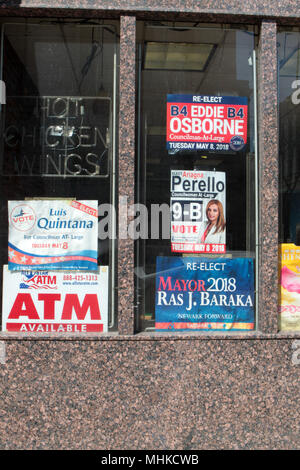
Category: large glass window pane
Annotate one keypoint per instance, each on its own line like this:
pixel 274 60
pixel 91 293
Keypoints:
pixel 196 156
pixel 58 144
pixel 289 165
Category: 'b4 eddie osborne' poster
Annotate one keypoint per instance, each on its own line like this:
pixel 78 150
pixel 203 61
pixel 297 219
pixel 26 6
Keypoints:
pixel 203 122
pixel 204 294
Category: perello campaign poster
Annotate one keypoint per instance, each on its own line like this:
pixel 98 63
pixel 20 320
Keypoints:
pixel 53 302
pixel 289 278
pixel 203 122
pixel 204 294
pixel 198 211
pixel 52 235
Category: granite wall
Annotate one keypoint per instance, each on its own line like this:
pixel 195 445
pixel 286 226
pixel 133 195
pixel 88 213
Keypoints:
pixel 149 394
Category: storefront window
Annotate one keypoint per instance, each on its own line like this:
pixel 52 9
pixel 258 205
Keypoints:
pixel 289 165
pixel 57 175
pixel 196 178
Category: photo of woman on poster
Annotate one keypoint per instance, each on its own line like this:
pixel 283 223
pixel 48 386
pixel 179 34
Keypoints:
pixel 214 229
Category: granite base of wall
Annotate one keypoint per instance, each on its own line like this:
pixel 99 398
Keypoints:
pixel 202 394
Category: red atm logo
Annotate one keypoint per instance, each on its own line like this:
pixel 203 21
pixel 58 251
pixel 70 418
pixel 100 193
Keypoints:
pixel 58 314
pixel 38 281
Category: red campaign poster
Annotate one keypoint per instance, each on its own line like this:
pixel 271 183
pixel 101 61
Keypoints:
pixel 200 122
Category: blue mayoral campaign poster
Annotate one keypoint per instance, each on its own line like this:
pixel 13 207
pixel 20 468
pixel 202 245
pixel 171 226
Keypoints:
pixel 204 294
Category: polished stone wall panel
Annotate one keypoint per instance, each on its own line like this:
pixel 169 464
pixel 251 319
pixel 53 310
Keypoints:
pixel 276 8
pixel 149 395
pixel 126 174
pixel 268 178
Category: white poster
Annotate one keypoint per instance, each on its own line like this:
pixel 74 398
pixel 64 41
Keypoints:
pixel 198 212
pixel 52 235
pixel 49 302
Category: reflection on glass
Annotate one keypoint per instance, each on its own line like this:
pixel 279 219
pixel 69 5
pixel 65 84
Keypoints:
pixel 57 124
pixel 185 61
pixel 177 56
pixel 289 180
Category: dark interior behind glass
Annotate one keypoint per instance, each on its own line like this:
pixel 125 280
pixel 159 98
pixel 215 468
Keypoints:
pixel 227 71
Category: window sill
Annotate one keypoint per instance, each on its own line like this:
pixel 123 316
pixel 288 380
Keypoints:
pixel 149 336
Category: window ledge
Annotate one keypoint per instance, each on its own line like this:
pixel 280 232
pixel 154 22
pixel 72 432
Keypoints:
pixel 149 336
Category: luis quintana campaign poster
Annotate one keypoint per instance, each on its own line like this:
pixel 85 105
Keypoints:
pixel 52 235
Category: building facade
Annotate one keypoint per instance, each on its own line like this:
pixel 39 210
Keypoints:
pixel 98 72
